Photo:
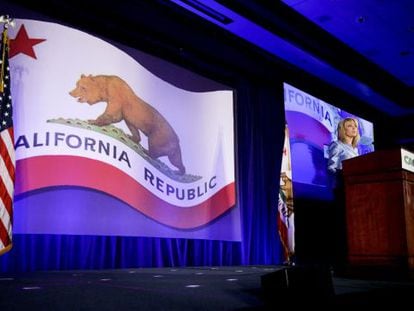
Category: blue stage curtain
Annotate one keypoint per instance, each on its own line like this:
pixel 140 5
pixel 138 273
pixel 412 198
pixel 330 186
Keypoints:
pixel 259 130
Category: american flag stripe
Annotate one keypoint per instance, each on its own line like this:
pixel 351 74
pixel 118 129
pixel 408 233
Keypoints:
pixel 7 159
pixel 4 237
pixel 5 222
pixel 5 216
pixel 6 194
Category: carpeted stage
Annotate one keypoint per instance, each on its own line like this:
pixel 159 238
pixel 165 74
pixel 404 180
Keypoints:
pixel 189 288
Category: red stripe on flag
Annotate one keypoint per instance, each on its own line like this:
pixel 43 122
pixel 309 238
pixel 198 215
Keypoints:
pixel 4 236
pixel 46 171
pixel 283 233
pixel 5 152
pixel 5 198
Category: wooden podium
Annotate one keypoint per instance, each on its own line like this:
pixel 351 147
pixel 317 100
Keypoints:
pixel 379 189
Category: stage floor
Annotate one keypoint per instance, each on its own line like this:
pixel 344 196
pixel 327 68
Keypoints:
pixel 189 288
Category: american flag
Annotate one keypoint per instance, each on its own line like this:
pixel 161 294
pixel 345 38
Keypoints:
pixel 7 160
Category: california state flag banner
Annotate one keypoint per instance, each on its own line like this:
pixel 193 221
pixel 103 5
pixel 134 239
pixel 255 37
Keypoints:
pixel 286 224
pixel 110 143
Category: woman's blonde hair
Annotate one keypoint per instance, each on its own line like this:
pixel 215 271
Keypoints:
pixel 341 131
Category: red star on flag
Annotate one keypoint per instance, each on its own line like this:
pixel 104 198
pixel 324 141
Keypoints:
pixel 23 44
